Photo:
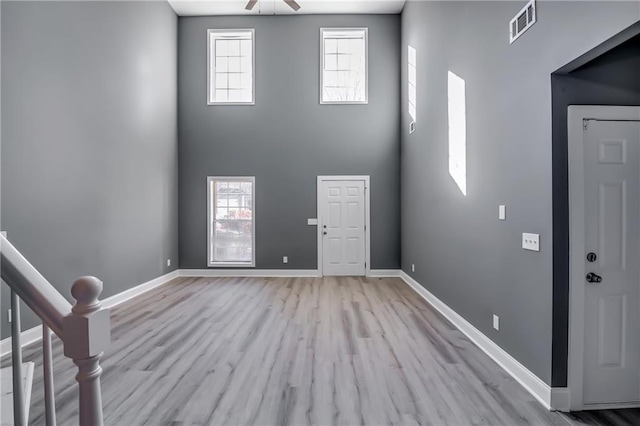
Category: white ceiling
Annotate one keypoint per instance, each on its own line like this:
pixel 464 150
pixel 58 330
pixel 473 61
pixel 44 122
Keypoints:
pixel 279 7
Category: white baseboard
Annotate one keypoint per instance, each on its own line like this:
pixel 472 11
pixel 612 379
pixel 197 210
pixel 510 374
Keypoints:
pixel 122 297
pixel 551 398
pixel 560 399
pixel 374 273
pixel 34 334
pixel 384 273
pixel 249 272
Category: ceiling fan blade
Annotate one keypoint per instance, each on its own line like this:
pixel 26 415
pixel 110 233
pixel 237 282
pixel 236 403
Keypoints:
pixel 250 5
pixel 292 4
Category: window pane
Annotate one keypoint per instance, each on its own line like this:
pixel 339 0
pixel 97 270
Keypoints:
pixel 245 64
pixel 234 64
pixel 343 79
pixel 356 46
pixel 234 96
pixel 245 81
pixel 245 95
pixel 331 45
pixel 221 96
pixel 343 45
pixel 245 48
pixel 332 94
pixel 221 80
pixel 222 64
pixel 343 62
pixel 222 47
pixel 221 213
pixel 234 81
pixel 246 187
pixel 330 62
pixel 330 78
pixel 234 48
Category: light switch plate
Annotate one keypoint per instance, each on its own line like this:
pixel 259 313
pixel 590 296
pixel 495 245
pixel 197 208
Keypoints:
pixel 496 322
pixel 312 221
pixel 531 241
pixel 502 212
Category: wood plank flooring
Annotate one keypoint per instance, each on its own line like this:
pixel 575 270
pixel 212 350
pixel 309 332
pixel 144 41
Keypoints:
pixel 276 351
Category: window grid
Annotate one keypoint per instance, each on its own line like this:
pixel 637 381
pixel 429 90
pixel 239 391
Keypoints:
pixel 344 66
pixel 231 213
pixel 231 67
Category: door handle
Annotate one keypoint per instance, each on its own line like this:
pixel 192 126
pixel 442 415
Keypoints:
pixel 324 233
pixel 593 278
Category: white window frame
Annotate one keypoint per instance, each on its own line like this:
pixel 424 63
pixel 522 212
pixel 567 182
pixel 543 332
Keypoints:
pixel 210 181
pixel 211 67
pixel 366 65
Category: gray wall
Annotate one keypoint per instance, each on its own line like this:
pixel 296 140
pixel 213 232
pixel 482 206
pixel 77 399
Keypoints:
pixel 462 253
pixel 287 138
pixel 611 79
pixel 89 140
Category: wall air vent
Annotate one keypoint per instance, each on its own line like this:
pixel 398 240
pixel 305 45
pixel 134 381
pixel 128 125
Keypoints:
pixel 522 21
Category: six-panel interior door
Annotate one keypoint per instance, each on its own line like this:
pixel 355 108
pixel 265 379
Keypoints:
pixel 612 295
pixel 343 227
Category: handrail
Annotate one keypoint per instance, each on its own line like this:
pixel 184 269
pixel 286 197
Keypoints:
pixel 43 299
pixel 84 329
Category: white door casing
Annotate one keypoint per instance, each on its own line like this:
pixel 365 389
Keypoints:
pixel 604 204
pixel 343 225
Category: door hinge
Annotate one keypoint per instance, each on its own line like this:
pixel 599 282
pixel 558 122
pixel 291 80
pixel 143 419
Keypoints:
pixel 584 124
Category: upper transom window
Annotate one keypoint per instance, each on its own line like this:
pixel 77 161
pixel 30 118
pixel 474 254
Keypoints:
pixel 231 77
pixel 344 66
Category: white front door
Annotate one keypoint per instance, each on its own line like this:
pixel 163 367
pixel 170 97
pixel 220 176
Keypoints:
pixel 342 226
pixel 612 263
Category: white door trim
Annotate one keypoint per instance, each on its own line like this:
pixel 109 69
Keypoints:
pixel 367 218
pixel 576 117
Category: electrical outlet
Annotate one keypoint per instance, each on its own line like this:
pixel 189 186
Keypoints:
pixel 413 267
pixel 496 322
pixel 9 315
pixel 168 262
pixel 502 212
pixel 531 241
pixel 285 259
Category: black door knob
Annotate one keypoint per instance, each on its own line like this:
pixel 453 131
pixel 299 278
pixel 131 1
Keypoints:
pixel 593 278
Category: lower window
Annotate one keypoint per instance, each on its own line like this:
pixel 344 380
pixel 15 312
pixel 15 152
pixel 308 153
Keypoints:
pixel 231 216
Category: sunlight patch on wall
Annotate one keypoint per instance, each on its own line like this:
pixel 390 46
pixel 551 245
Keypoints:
pixel 457 131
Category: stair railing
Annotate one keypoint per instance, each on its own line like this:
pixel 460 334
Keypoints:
pixel 83 328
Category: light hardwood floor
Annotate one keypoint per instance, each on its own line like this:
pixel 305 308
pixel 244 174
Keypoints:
pixel 296 351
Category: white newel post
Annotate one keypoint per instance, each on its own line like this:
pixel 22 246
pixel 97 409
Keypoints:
pixel 87 333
